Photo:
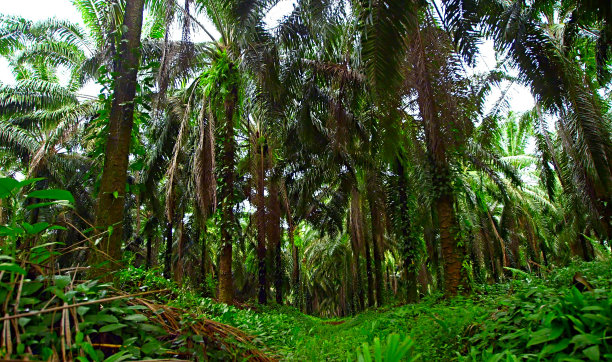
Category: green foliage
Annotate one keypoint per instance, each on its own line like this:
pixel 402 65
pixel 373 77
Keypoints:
pixel 546 319
pixel 393 351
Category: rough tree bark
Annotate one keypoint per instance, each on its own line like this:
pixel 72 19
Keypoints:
pixel 436 151
pixel 111 198
pixel 275 239
pixel 408 240
pixel 226 280
pixel 357 241
pixel 378 231
pixel 261 222
pixel 370 278
pixel 168 252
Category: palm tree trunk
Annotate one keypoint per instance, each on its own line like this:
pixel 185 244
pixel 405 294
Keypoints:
pixel 436 149
pixel 452 254
pixel 378 231
pixel 295 273
pixel 180 266
pixel 370 277
pixel 111 198
pixel 226 281
pixel 408 238
pixel 149 251
pixel 356 232
pixel 261 224
pixel 275 238
pixel 168 252
pixel 202 234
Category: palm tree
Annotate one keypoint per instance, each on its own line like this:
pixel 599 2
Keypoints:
pixel 541 41
pixel 111 197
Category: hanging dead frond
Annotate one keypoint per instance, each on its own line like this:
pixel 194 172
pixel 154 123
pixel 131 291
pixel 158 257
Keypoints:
pixel 205 180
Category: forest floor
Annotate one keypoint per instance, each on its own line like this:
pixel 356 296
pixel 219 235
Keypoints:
pixel 528 317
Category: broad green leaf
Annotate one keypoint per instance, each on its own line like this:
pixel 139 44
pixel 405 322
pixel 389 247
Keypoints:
pixel 592 308
pixel 90 351
pixel 52 194
pixel 151 347
pixel 151 328
pixel 30 288
pixel 82 310
pixel 555 347
pixel 48 203
pixel 29 181
pixel 599 318
pixel 58 292
pixel 119 356
pixel 112 327
pixel 13 268
pixel 136 318
pixel 585 340
pixel 541 336
pixel 23 321
pixel 9 231
pixel 7 185
pixel 34 229
pixel 592 353
pixel 106 318
pixel 61 281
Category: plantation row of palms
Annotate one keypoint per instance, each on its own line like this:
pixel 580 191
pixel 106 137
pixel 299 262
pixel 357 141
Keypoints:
pixel 340 159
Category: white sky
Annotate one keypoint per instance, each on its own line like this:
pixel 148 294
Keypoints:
pixel 519 96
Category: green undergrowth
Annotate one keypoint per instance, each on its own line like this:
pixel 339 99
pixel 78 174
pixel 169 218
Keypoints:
pixel 528 318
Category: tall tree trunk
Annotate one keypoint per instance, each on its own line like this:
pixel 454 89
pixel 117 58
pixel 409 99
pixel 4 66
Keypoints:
pixel 275 238
pixel 378 232
pixel 408 237
pixel 203 254
pixel 370 277
pixel 180 266
pixel 168 252
pixel 149 251
pixel 261 223
pixel 377 239
pixel 226 280
pixel 436 150
pixel 111 198
pixel 451 252
pixel 295 273
pixel 357 242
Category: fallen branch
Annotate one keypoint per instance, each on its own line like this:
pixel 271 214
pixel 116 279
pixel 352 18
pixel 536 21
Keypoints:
pixel 89 302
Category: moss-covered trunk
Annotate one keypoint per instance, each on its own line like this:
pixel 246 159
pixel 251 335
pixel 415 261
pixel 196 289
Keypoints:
pixel 226 280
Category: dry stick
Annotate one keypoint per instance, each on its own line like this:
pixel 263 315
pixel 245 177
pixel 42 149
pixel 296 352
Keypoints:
pixel 7 341
pixel 63 333
pixel 99 301
pixel 65 325
pixel 117 346
pixel 16 309
pixel 76 328
pixel 86 238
